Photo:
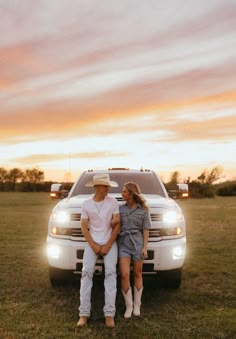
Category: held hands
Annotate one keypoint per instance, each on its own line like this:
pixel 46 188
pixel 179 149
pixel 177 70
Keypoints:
pixel 96 248
pixel 100 249
pixel 104 249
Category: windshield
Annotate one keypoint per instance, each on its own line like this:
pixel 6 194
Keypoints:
pixel 147 181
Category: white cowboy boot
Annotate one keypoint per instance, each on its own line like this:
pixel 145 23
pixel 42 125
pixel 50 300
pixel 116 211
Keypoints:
pixel 137 300
pixel 128 303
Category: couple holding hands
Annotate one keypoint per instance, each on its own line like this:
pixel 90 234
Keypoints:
pixel 113 232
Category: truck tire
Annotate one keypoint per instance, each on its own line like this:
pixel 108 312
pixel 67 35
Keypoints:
pixel 171 279
pixel 57 277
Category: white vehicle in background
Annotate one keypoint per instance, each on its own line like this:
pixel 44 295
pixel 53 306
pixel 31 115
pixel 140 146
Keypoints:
pixel 57 191
pixel 167 239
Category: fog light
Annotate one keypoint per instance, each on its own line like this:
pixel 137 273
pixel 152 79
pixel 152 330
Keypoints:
pixel 53 251
pixel 178 253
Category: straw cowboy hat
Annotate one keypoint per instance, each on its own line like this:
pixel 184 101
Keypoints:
pixel 101 179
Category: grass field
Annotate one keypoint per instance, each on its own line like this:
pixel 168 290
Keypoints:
pixel 203 307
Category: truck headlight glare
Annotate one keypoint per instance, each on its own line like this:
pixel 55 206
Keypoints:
pixel 172 217
pixel 178 252
pixel 53 251
pixel 61 217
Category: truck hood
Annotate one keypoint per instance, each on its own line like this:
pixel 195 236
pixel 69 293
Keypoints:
pixel 152 201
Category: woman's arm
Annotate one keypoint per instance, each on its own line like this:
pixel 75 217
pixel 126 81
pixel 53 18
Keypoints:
pixel 145 242
pixel 115 220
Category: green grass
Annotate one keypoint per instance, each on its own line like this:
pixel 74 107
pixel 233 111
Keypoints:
pixel 204 306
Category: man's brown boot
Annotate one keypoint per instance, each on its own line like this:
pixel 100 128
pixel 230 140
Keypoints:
pixel 82 321
pixel 109 322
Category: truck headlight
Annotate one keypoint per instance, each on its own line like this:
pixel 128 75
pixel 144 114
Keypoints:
pixel 53 251
pixel 172 217
pixel 165 232
pixel 61 217
pixel 64 231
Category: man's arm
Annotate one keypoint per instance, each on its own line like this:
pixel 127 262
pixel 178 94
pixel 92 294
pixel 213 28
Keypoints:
pixel 115 230
pixel 84 227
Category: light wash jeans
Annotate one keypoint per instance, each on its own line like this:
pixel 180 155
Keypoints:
pixel 86 283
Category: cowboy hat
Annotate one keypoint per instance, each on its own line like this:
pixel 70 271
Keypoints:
pixel 101 179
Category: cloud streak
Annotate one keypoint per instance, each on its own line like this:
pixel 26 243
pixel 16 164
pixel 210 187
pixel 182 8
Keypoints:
pixel 46 158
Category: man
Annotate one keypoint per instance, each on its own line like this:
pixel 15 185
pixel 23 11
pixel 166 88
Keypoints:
pixel 100 226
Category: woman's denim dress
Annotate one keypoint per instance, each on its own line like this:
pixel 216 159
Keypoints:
pixel 133 222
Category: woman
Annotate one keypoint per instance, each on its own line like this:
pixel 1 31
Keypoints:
pixel 133 238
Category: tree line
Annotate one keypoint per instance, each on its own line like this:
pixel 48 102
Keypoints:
pixel 29 180
pixel 205 185
pixel 32 180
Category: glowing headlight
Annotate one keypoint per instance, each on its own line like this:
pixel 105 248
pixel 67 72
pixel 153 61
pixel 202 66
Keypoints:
pixel 64 231
pixel 178 252
pixel 53 251
pixel 61 217
pixel 172 216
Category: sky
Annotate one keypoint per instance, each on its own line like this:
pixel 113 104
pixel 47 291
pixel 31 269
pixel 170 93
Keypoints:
pixel 91 84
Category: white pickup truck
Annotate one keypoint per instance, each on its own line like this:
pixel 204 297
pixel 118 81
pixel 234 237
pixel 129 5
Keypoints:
pixel 167 238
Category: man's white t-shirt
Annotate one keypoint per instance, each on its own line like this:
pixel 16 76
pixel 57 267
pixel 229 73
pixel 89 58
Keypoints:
pixel 99 215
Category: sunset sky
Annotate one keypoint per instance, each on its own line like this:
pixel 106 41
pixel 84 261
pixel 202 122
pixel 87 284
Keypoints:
pixel 131 83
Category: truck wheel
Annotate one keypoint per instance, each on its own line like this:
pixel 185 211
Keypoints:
pixel 172 278
pixel 57 277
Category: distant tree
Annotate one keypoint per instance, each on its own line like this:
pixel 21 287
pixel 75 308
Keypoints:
pixel 202 177
pixel 3 174
pixel 188 180
pixel 174 177
pixel 174 180
pixel 203 186
pixel 14 175
pixel 17 180
pixel 3 178
pixel 227 188
pixel 207 177
pixel 33 175
pixel 32 179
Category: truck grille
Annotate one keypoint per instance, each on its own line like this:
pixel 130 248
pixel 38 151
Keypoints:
pixel 77 217
pixel 76 232
pixel 154 233
pixel 156 217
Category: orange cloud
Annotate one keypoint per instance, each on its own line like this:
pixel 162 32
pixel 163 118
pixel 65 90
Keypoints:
pixel 45 158
pixel 45 71
pixel 69 121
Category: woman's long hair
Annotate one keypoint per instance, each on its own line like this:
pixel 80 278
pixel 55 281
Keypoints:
pixel 134 190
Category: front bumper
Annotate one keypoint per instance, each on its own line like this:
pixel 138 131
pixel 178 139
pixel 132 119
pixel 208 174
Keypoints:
pixel 167 255
pixel 163 255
